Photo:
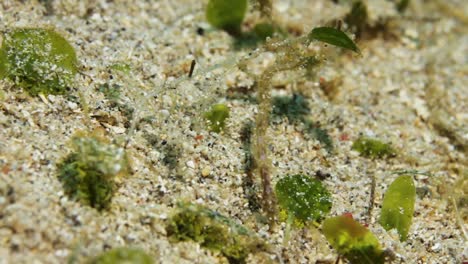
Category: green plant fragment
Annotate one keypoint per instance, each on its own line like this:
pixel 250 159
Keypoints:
pixel 303 198
pixel 398 206
pixel 352 240
pixel 38 60
pixel 89 173
pixel 213 231
pixel 216 117
pixel 227 15
pixel 123 256
pixel 334 37
pixel 373 148
pixel 122 67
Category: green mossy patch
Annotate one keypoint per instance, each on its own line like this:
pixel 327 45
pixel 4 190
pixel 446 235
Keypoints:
pixel 373 148
pixel 123 256
pixel 213 231
pixel 89 173
pixel 303 198
pixel 38 60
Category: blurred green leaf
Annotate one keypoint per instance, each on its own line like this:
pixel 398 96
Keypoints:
pixel 334 37
pixel 398 206
pixel 226 15
pixel 352 240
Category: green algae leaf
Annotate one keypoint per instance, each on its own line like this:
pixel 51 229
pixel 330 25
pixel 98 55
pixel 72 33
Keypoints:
pixel 213 231
pixel 123 256
pixel 226 15
pixel 373 148
pixel 303 198
pixel 398 206
pixel 334 37
pixel 352 240
pixel 216 117
pixel 38 60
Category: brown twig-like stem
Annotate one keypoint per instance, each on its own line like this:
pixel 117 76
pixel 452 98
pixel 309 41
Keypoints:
pixel 288 56
pixel 192 68
pixel 262 161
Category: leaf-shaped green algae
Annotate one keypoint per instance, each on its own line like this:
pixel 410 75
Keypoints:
pixel 398 206
pixel 217 116
pixel 352 240
pixel 39 60
pixel 226 14
pixel 303 197
pixel 333 36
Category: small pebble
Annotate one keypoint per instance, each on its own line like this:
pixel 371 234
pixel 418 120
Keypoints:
pixel 190 164
pixel 206 171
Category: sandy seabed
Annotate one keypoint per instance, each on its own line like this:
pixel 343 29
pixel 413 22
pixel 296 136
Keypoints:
pixel 409 87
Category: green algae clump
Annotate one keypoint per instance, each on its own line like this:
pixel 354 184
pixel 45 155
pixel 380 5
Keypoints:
pixel 303 198
pixel 227 15
pixel 213 231
pixel 38 60
pixel 89 173
pixel 216 117
pixel 398 206
pixel 123 256
pixel 353 241
pixel 373 148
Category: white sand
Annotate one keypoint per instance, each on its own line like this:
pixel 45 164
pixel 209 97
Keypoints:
pixel 398 91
